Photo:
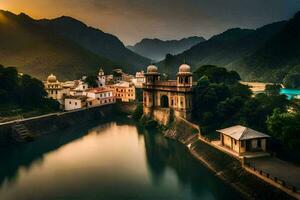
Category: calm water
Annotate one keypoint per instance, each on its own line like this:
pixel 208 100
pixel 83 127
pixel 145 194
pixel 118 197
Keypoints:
pixel 114 160
pixel 290 93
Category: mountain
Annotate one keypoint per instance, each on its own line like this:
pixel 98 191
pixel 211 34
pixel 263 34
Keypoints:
pixel 156 49
pixel 277 58
pixel 96 41
pixel 39 50
pixel 223 49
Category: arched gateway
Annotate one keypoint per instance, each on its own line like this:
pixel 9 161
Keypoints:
pixel 164 101
pixel 175 95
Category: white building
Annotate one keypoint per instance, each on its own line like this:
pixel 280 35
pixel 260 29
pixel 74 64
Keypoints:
pixel 79 88
pixel 100 96
pixel 139 79
pixel 240 139
pixel 101 78
pixel 75 102
pixel 56 89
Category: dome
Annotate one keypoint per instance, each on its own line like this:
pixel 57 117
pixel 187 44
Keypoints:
pixel 51 78
pixel 152 69
pixel 184 68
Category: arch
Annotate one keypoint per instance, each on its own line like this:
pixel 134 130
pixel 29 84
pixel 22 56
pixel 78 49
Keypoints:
pixel 164 101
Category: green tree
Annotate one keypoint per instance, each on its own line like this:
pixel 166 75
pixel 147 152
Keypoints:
pixel 273 89
pixel 292 81
pixel 91 81
pixel 285 127
pixel 217 74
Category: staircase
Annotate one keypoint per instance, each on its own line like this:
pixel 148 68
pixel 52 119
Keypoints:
pixel 20 133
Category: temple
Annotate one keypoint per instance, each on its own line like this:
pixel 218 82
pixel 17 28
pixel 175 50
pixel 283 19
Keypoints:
pixel 161 99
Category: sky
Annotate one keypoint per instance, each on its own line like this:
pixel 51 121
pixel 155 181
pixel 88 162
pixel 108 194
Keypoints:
pixel 133 20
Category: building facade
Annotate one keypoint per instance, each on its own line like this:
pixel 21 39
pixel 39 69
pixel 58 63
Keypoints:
pixel 241 140
pixel 162 97
pixel 139 79
pixel 100 96
pixel 124 91
pixel 56 89
pixel 75 102
pixel 101 78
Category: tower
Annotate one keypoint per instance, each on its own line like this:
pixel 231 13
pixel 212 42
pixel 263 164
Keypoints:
pixel 184 82
pixel 101 78
pixel 184 76
pixel 152 77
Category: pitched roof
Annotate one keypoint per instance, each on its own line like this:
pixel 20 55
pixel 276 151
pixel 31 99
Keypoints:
pixel 239 132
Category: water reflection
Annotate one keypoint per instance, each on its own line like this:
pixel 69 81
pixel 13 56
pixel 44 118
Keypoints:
pixel 116 160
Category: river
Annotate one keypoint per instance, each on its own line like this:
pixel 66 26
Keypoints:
pixel 113 160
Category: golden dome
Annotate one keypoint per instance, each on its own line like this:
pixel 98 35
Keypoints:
pixel 51 78
pixel 152 69
pixel 184 68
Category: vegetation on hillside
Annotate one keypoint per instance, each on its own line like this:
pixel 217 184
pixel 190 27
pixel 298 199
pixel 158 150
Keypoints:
pixel 223 49
pixel 22 95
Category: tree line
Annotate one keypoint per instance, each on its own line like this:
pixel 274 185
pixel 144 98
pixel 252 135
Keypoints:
pixel 23 91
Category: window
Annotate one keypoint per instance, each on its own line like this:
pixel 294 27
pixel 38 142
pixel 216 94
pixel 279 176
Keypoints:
pixel 259 143
pixel 234 142
pixel 70 102
pixel 75 103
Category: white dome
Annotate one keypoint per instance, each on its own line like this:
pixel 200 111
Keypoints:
pixel 152 69
pixel 184 68
pixel 51 78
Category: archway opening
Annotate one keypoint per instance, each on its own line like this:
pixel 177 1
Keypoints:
pixel 164 101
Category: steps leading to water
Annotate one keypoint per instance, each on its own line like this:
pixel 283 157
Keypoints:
pixel 20 133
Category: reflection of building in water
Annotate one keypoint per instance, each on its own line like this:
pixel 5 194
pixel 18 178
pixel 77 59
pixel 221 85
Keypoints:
pixel 160 97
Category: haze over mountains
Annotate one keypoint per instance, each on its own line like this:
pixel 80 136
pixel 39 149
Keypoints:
pixel 63 46
pixel 156 49
pixel 266 54
pixel 69 48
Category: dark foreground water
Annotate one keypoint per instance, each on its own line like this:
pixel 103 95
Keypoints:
pixel 115 160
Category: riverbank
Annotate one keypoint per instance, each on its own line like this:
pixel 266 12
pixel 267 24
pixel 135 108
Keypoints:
pixel 46 124
pixel 222 165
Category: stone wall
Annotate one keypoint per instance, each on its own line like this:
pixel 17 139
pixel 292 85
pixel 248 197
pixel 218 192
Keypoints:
pixel 182 130
pixel 53 122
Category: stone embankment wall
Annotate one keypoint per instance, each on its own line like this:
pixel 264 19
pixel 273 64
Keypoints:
pixel 52 122
pixel 126 107
pixel 224 166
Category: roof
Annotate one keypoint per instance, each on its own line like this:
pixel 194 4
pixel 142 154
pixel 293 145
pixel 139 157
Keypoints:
pixel 124 84
pixel 79 97
pixel 239 132
pixel 99 90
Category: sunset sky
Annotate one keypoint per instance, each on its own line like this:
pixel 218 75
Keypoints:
pixel 132 20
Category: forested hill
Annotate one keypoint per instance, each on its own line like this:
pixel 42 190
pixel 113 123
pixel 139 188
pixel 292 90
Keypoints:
pixel 278 59
pixel 157 49
pixel 39 51
pixel 224 49
pixel 95 40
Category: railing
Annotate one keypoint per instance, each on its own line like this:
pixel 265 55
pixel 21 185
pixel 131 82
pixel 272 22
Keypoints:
pixel 273 178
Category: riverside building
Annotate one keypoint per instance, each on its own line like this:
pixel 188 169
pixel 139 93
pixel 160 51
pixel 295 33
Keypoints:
pixel 163 98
